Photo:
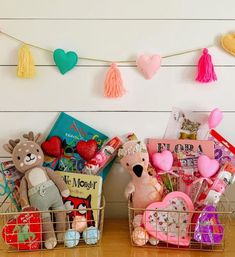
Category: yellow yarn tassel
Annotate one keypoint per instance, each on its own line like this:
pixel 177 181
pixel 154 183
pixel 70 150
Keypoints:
pixel 26 68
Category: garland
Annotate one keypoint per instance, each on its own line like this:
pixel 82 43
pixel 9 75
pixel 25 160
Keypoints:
pixel 148 65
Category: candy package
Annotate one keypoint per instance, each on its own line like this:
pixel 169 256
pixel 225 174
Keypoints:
pixel 224 178
pixel 224 151
pixel 103 157
pixel 187 125
pixel 188 172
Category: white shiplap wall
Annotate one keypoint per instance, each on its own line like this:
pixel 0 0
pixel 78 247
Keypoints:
pixel 114 30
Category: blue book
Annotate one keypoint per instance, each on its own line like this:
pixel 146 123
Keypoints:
pixel 9 185
pixel 71 131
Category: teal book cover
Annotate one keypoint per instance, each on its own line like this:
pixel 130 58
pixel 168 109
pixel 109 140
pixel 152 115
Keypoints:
pixel 71 131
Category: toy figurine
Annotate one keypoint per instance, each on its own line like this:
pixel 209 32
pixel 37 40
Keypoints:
pixel 145 188
pixel 40 187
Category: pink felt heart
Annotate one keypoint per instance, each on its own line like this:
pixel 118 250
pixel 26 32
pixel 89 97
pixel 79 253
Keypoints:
pixel 215 118
pixel 206 166
pixel 148 65
pixel 163 160
pixel 163 222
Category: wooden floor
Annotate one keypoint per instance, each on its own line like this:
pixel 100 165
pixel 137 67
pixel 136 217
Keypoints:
pixel 116 243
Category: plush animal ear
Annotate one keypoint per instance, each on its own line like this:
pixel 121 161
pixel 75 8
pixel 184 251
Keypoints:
pixel 29 136
pixel 11 145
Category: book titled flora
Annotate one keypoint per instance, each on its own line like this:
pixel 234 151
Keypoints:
pixel 85 196
pixel 181 146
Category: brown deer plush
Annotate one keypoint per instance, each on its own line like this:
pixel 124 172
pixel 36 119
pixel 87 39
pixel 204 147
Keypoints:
pixel 40 187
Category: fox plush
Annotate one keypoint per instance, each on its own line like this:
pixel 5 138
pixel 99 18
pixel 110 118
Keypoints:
pixel 145 189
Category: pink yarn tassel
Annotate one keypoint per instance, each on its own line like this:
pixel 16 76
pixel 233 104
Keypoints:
pixel 206 71
pixel 113 85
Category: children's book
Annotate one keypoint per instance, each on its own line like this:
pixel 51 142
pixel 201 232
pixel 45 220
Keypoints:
pixel 71 131
pixel 181 146
pixel 85 196
pixel 9 185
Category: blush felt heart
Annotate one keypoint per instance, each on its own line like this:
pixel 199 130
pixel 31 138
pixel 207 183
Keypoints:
pixel 87 149
pixel 24 232
pixel 148 65
pixel 163 160
pixel 207 167
pixel 65 61
pixel 169 220
pixel 208 229
pixel 228 43
pixel 52 147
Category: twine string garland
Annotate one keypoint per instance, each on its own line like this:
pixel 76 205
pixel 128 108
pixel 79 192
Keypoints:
pixel 103 60
pixel 113 85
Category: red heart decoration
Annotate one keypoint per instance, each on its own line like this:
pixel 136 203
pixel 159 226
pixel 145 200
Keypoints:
pixel 52 147
pixel 87 149
pixel 24 231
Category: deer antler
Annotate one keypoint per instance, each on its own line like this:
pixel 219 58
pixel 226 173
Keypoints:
pixel 29 136
pixel 11 145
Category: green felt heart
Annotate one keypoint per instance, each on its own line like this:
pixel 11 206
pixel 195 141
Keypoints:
pixel 65 61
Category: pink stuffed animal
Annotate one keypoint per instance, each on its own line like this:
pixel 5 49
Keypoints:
pixel 145 188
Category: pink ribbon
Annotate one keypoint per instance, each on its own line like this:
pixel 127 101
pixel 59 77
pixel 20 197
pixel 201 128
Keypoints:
pixel 170 172
pixel 202 179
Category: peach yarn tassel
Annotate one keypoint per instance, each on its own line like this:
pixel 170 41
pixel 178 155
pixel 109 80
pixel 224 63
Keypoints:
pixel 113 85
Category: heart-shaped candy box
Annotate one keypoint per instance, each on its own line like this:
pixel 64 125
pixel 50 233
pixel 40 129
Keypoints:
pixel 169 220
